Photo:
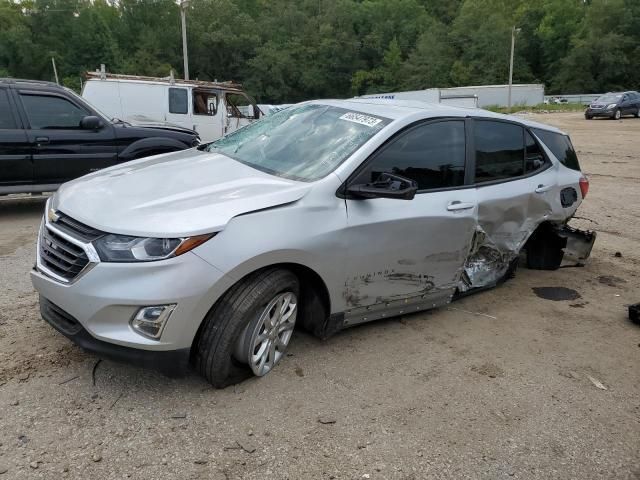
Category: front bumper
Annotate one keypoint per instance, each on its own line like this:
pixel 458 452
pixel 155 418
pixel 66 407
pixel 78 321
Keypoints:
pixel 599 113
pixel 105 299
pixel 170 362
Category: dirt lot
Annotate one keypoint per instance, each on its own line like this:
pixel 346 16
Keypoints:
pixel 503 384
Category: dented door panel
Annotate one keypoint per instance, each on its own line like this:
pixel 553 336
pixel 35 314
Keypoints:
pixel 406 252
pixel 508 213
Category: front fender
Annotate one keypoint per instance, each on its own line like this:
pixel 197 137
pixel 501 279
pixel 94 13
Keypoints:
pixel 139 148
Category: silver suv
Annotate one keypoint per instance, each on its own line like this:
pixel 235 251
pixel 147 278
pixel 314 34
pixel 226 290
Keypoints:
pixel 322 216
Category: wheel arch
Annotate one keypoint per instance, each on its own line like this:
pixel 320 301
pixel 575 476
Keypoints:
pixel 146 146
pixel 315 299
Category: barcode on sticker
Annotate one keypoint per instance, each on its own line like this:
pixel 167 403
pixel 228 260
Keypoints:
pixel 361 119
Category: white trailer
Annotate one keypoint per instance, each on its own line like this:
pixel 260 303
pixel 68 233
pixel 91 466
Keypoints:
pixel 473 97
pixel 498 95
pixel 212 109
pixel 430 95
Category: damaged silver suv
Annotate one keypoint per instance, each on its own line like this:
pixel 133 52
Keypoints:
pixel 321 216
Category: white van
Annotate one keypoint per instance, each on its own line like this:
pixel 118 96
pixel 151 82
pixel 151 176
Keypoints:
pixel 212 109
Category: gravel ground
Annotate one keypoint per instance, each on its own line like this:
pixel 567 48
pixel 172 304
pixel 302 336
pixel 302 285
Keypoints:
pixel 503 384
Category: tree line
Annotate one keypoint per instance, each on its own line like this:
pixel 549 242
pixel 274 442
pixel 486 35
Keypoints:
pixel 291 50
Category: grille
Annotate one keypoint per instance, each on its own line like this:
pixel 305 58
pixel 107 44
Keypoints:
pixel 76 229
pixel 60 256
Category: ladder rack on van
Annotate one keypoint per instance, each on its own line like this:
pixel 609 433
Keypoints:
pixel 98 75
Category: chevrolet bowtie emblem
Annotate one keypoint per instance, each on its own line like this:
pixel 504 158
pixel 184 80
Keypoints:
pixel 52 216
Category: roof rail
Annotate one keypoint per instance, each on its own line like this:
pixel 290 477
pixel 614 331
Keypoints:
pixel 99 75
pixel 26 80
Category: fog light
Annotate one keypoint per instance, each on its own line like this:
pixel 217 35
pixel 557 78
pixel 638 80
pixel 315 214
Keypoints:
pixel 150 321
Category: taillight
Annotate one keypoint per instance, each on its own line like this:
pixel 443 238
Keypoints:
pixel 584 186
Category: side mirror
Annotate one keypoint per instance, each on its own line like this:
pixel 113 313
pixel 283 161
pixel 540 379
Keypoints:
pixel 386 186
pixel 90 123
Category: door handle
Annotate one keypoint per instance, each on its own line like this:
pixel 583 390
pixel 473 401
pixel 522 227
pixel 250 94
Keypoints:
pixel 42 140
pixel 543 188
pixel 458 205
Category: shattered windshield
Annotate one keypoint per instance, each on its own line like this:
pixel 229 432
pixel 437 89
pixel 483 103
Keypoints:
pixel 303 142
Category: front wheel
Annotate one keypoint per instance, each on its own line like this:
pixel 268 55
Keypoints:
pixel 617 114
pixel 248 330
pixel 587 116
pixel 637 114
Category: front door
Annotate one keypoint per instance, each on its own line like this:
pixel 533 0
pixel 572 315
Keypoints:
pixel 61 149
pixel 407 255
pixel 241 111
pixel 16 167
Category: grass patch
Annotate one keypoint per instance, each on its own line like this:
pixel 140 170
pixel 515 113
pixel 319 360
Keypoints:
pixel 540 108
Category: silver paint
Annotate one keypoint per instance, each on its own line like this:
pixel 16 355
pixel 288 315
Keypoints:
pixel 376 257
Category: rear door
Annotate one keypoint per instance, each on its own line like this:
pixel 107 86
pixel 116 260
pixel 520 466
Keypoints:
pixel 61 149
pixel 406 255
pixel 515 188
pixel 16 166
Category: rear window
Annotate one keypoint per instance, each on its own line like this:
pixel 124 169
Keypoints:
pixel 499 150
pixel 561 147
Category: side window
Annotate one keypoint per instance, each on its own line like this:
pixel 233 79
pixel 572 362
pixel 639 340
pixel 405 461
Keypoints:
pixel 560 146
pixel 433 155
pixel 7 122
pixel 44 111
pixel 205 103
pixel 239 106
pixel 499 150
pixel 534 157
pixel 178 102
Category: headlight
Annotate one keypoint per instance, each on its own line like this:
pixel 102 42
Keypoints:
pixel 124 248
pixel 610 106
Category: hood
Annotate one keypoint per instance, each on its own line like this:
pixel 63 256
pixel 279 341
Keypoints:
pixel 173 195
pixel 146 122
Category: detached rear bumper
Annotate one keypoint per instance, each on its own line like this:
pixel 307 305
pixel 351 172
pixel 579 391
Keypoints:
pixel 578 243
pixel 169 362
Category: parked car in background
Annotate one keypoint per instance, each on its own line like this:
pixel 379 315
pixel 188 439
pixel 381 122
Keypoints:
pixel 324 215
pixel 614 105
pixel 212 109
pixel 50 135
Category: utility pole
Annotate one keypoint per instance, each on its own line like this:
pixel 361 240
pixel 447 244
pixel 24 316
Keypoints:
pixel 184 4
pixel 514 30
pixel 55 70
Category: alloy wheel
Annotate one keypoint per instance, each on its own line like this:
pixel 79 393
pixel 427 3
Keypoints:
pixel 270 335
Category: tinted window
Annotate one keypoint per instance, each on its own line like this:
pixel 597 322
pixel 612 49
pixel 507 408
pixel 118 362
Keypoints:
pixel 560 146
pixel 178 102
pixel 499 150
pixel 6 117
pixel 534 157
pixel 52 112
pixel 433 155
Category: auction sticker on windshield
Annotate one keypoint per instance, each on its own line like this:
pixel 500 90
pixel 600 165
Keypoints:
pixel 361 119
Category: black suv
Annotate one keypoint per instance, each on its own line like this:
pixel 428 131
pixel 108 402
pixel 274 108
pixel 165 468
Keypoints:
pixel 614 105
pixel 49 135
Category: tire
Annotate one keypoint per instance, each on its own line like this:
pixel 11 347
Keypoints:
pixel 588 117
pixel 637 114
pixel 617 115
pixel 545 249
pixel 229 327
